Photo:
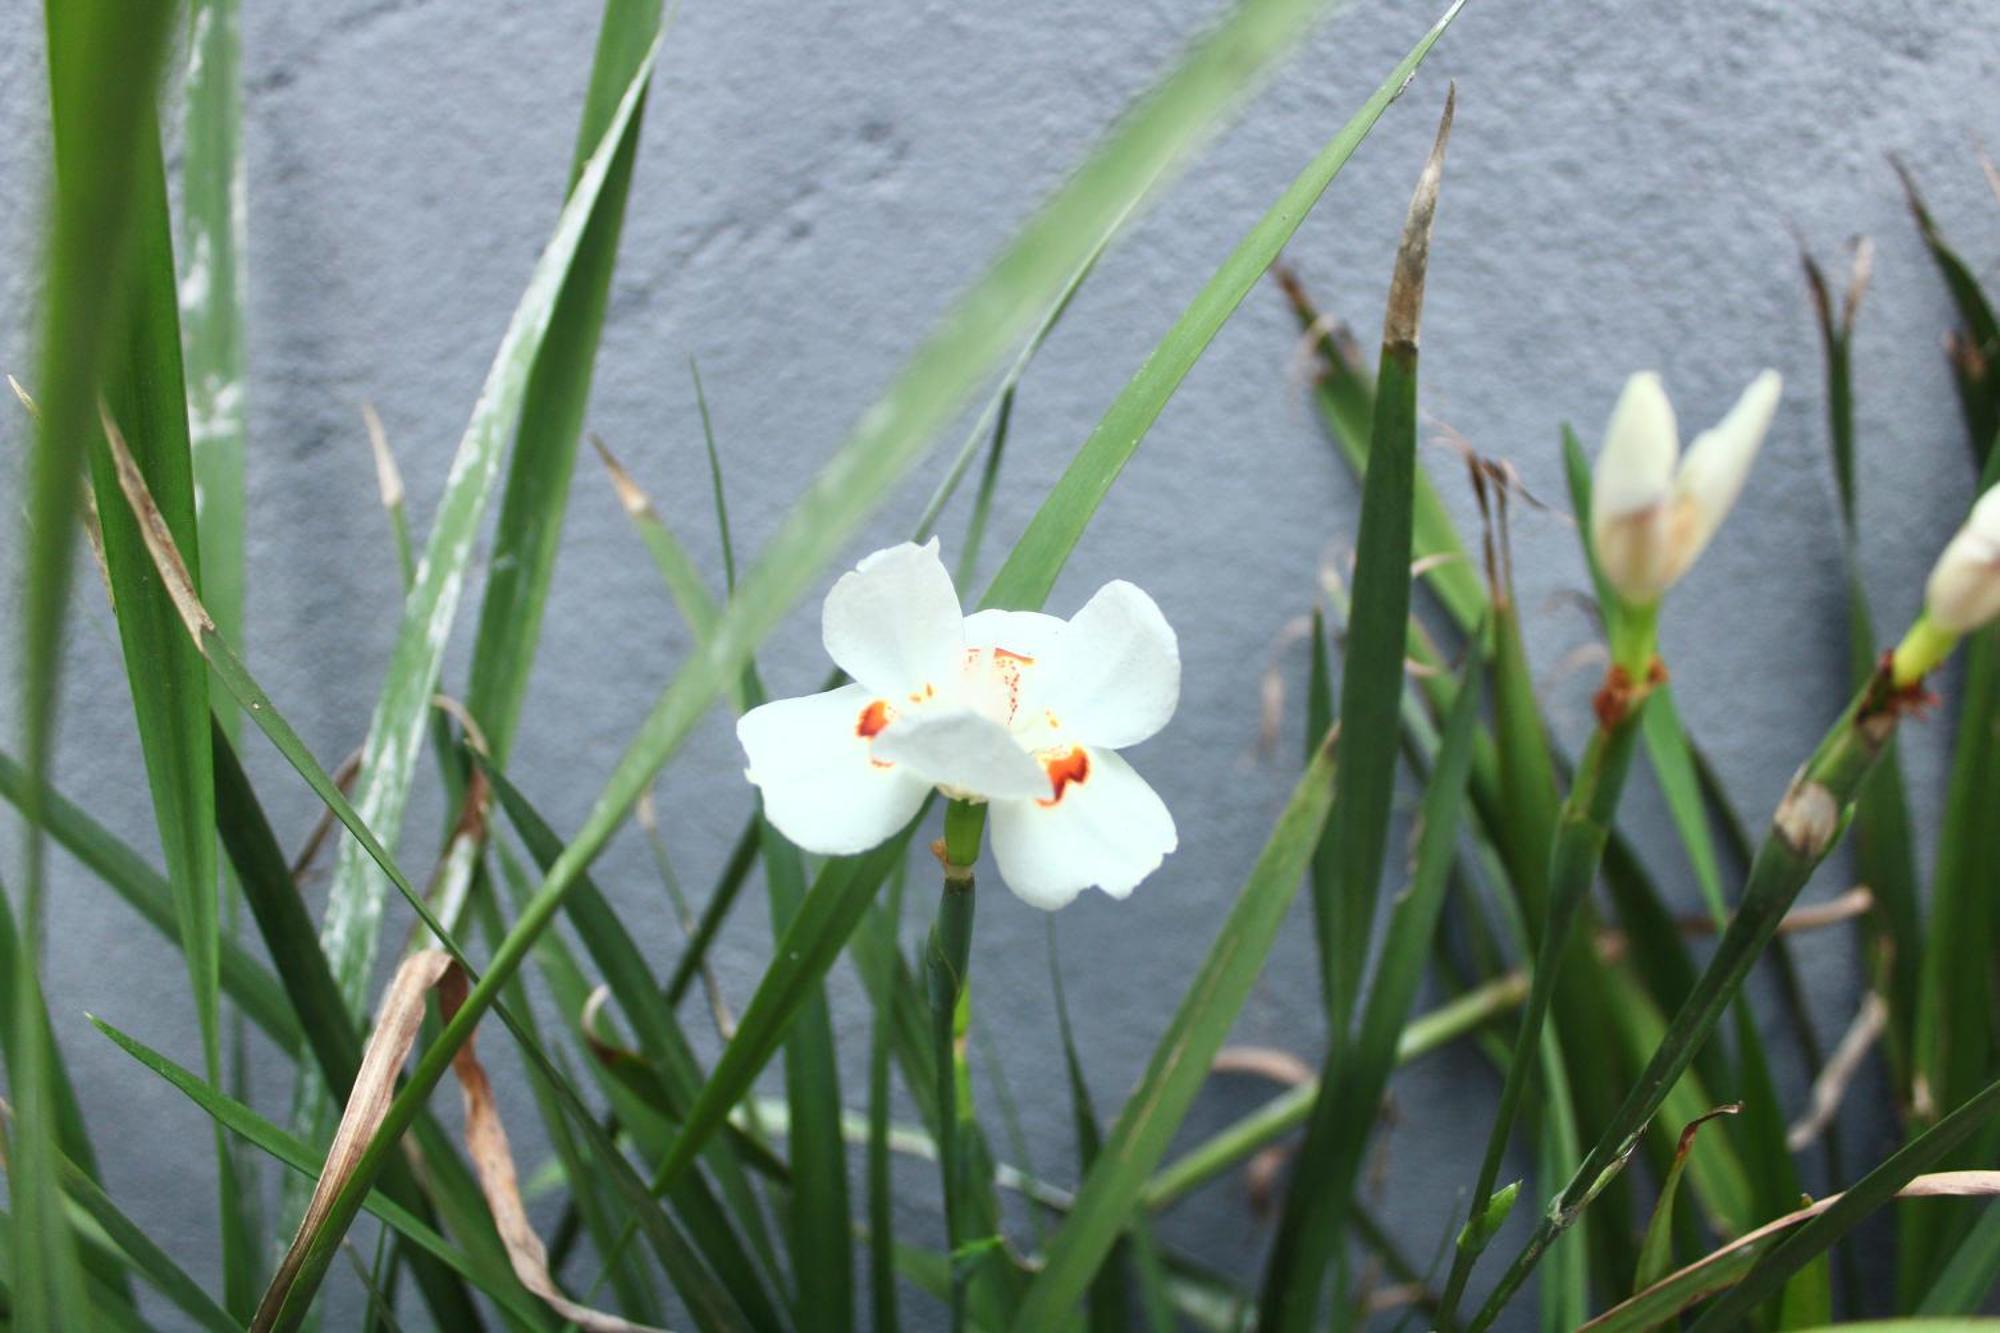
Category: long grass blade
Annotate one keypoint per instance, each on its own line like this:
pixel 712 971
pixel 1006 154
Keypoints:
pixel 104 135
pixel 396 731
pixel 1371 689
pixel 556 390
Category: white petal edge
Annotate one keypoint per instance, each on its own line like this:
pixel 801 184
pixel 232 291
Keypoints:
pixel 1964 588
pixel 1109 831
pixel 1717 464
pixel 822 787
pixel 893 622
pixel 962 750
pixel 1114 677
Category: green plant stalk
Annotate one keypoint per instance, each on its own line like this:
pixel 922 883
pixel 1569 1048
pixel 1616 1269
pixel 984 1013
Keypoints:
pixel 881 1201
pixel 1581 833
pixel 1806 826
pixel 946 958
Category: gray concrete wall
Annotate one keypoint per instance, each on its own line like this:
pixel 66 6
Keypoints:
pixel 1627 187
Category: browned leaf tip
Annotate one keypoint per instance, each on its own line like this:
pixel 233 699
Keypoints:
pixel 630 496
pixel 1406 289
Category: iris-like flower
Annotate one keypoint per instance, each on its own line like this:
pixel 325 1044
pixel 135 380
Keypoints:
pixel 1021 710
pixel 1964 588
pixel 1653 511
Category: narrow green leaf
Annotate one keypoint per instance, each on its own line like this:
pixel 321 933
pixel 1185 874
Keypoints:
pixel 1181 1060
pixel 212 287
pixel 396 731
pixel 552 397
pixel 1030 570
pixel 1289 1109
pixel 104 138
pixel 1974 347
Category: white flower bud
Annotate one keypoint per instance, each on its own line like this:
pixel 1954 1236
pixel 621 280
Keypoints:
pixel 1964 588
pixel 1650 518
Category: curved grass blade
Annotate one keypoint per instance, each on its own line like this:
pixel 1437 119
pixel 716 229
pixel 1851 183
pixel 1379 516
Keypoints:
pixel 147 1259
pixel 1291 1108
pixel 557 390
pixel 396 731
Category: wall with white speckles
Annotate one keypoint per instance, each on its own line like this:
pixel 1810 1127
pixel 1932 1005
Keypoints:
pixel 1627 188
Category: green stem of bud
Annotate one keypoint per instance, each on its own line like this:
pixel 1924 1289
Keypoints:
pixel 1920 652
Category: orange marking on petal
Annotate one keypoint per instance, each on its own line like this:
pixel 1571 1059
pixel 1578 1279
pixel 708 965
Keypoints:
pixel 1012 655
pixel 874 717
pixel 1063 768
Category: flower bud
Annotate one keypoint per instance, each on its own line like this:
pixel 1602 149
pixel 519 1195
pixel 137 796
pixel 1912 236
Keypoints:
pixel 1653 510
pixel 1964 588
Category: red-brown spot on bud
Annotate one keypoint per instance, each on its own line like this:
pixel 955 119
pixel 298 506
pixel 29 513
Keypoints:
pixel 1063 768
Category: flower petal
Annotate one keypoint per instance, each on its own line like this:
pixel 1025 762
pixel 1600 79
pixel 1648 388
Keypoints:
pixel 1712 474
pixel 1107 828
pixel 893 622
pixel 822 785
pixel 1113 677
pixel 962 750
pixel 1024 633
pixel 1630 487
pixel 1964 588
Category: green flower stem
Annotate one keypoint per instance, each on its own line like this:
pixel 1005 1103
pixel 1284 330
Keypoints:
pixel 1581 832
pixel 946 961
pixel 1921 650
pixel 1808 822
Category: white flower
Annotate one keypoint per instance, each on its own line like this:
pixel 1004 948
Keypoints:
pixel 1648 520
pixel 1964 588
pixel 1021 710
